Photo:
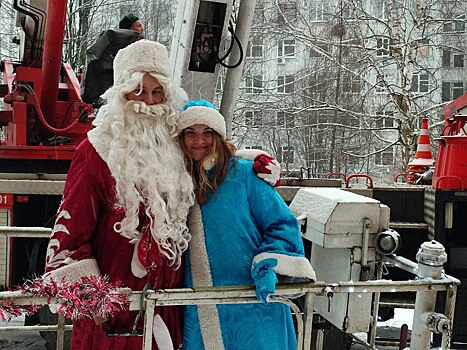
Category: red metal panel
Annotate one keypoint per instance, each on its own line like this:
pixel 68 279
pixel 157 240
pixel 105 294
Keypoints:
pixel 6 200
pixel 451 163
pixel 18 126
pixel 37 152
pixel 72 82
pixel 8 75
pixel 451 108
pixel 5 117
pixel 52 57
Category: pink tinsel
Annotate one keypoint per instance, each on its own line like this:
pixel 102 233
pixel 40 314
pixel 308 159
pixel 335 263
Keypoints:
pixel 94 295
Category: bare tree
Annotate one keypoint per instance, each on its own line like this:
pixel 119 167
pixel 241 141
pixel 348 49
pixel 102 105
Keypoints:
pixel 8 31
pixel 364 72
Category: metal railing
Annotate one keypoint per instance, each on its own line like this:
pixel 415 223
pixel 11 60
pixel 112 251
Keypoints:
pixel 246 294
pixel 149 299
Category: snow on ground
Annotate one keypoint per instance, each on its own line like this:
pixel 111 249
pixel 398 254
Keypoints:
pixel 389 329
pixel 20 340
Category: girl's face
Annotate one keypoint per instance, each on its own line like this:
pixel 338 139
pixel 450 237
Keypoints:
pixel 152 92
pixel 198 139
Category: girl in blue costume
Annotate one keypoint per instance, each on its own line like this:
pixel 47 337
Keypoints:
pixel 242 233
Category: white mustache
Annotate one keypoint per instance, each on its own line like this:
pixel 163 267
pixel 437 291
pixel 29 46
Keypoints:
pixel 158 110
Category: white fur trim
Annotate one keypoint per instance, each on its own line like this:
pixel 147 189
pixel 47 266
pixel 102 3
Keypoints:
pixel 275 168
pixel 73 272
pixel 292 266
pixel 100 140
pixel 199 262
pixel 208 164
pixel 208 315
pixel 141 56
pixel 137 268
pixel 202 115
pixel 249 154
pixel 161 334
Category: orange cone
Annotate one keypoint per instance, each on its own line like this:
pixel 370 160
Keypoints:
pixel 423 157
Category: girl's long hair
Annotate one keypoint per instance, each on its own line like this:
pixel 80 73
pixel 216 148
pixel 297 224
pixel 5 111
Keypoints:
pixel 208 182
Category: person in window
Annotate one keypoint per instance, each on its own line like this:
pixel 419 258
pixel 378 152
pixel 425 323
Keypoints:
pixel 126 199
pixel 242 233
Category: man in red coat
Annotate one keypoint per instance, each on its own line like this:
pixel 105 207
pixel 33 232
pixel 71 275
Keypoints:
pixel 126 199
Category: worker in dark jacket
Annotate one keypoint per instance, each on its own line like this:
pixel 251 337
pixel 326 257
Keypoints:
pixel 98 76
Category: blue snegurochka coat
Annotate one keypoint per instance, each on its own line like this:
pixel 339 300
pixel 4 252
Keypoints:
pixel 245 221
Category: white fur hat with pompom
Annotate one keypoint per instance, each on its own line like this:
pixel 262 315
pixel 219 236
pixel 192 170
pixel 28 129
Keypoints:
pixel 141 56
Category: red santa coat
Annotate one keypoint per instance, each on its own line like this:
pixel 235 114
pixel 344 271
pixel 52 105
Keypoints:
pixel 85 230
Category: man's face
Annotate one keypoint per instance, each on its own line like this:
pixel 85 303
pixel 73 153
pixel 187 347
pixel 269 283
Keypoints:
pixel 137 26
pixel 152 92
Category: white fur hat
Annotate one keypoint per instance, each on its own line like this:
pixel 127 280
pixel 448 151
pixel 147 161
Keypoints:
pixel 142 56
pixel 202 112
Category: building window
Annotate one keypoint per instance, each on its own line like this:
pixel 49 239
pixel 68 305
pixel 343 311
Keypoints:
pixel 220 84
pixel 319 49
pixel 420 83
pixel 285 84
pixel 458 61
pixel 456 25
pixel 254 147
pixel 381 9
pixel 285 119
pixel 258 17
pixel 459 25
pixel 451 59
pixel 350 84
pixel 286 155
pixel 254 84
pixel 286 12
pixel 255 48
pixel 384 83
pixel 380 87
pixel 452 90
pixel 286 48
pixel 446 58
pixel 249 118
pixel 258 118
pixel 422 48
pixel 384 158
pixel 318 11
pixel 457 89
pixel 382 47
pixel 254 118
pixel 385 122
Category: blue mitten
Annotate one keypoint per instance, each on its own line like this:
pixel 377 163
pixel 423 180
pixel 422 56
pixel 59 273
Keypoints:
pixel 265 278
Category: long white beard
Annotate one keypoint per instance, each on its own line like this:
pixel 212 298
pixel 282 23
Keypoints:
pixel 148 166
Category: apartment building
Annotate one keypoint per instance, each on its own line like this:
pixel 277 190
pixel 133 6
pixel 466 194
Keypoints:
pixel 329 86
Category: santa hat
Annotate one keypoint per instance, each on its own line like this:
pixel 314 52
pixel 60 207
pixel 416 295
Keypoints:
pixel 144 56
pixel 127 21
pixel 201 112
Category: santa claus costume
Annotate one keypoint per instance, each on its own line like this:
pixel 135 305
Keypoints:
pixel 125 203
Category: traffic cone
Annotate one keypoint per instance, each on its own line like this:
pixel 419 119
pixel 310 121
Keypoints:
pixel 423 157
